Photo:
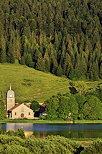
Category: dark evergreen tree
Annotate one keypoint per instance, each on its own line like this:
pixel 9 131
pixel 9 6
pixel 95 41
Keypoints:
pixel 22 61
pixel 2 49
pixel 28 60
pixel 59 71
pixel 69 35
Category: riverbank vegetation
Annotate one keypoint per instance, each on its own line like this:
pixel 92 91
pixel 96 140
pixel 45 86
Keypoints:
pixel 48 121
pixel 61 37
pixel 87 106
pixel 15 142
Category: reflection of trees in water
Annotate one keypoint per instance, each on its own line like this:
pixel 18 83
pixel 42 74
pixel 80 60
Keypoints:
pixel 69 131
pixel 0 126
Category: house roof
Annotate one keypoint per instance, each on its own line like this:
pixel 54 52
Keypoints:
pixel 43 105
pixel 14 107
pixel 42 108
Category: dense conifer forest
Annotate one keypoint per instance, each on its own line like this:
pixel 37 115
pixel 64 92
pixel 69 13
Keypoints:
pixel 62 37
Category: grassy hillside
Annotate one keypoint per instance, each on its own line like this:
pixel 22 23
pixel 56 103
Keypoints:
pixel 29 83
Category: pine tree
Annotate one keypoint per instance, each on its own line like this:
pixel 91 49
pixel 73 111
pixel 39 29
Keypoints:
pixel 59 71
pixel 100 71
pixel 28 60
pixel 22 61
pixel 10 54
pixel 40 65
pixel 2 49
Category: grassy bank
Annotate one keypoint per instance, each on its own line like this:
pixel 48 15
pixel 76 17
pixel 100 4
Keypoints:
pixel 48 121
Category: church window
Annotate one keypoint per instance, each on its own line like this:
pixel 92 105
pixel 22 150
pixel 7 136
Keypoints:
pixel 15 113
pixel 29 113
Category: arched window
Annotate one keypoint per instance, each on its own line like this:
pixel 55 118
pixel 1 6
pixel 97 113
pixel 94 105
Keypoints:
pixel 22 115
pixel 29 113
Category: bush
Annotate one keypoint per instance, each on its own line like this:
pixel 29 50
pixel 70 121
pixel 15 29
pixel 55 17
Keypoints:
pixel 73 147
pixel 32 145
pixel 20 133
pixel 15 149
pixel 42 117
pixel 94 148
pixel 39 146
pixel 5 139
pixel 11 133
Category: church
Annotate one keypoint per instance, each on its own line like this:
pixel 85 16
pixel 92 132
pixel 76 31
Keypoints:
pixel 17 111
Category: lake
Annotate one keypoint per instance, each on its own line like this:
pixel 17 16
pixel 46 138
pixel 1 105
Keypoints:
pixel 66 130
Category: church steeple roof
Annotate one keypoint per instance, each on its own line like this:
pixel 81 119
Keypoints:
pixel 10 86
pixel 10 93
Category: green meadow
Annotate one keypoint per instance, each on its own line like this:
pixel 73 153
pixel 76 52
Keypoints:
pixel 30 84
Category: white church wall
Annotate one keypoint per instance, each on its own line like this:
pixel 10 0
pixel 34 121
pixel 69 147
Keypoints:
pixel 10 103
pixel 22 111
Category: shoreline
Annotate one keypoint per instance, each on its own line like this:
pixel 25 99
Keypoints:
pixel 51 121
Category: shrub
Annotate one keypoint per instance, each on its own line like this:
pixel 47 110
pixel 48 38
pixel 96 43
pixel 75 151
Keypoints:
pixel 39 146
pixel 20 133
pixel 42 117
pixel 94 148
pixel 11 133
pixel 15 149
pixel 4 139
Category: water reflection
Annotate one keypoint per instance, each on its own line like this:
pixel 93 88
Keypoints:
pixel 67 130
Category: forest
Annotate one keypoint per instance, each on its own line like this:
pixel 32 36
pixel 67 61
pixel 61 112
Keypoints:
pixel 62 37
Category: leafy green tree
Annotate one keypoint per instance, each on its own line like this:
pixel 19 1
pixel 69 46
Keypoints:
pixel 80 101
pixel 35 106
pixel 81 87
pixel 92 108
pixel 73 107
pixel 52 106
pixel 64 108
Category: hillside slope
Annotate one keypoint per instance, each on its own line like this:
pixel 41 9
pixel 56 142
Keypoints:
pixel 29 83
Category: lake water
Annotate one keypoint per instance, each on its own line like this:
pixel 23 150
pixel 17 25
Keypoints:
pixel 66 130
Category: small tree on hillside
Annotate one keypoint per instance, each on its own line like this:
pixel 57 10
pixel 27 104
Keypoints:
pixel 34 105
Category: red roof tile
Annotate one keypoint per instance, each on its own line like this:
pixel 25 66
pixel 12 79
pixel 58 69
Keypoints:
pixel 14 107
pixel 43 105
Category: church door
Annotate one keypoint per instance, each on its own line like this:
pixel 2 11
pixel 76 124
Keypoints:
pixel 22 115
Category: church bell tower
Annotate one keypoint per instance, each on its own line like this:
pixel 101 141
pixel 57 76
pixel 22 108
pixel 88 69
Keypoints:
pixel 10 99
